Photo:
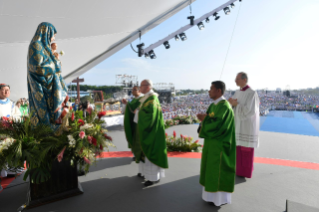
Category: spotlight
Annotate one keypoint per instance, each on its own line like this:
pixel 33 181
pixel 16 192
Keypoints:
pixel 232 5
pixel 227 10
pixel 239 0
pixel 191 18
pixel 152 54
pixel 207 20
pixel 201 26
pixel 140 49
pixel 216 16
pixel 176 38
pixel 146 55
pixel 183 36
pixel 166 44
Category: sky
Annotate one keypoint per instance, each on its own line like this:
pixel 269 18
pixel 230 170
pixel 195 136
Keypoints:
pixel 275 42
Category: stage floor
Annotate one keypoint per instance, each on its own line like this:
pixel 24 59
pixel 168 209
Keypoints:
pixel 286 167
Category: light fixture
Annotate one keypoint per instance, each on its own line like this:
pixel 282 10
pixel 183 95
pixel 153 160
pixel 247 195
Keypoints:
pixel 176 38
pixel 146 55
pixel 183 36
pixel 216 16
pixel 232 5
pixel 191 18
pixel 207 20
pixel 140 49
pixel 227 10
pixel 201 26
pixel 166 44
pixel 239 0
pixel 152 54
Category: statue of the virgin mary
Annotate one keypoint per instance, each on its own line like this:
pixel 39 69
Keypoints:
pixel 47 90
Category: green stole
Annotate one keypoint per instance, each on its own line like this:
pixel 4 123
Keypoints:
pixel 218 164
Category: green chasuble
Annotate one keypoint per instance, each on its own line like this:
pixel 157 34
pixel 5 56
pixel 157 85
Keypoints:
pixel 151 130
pixel 218 164
pixel 131 129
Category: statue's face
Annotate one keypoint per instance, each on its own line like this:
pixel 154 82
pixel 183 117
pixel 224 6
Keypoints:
pixel 53 38
pixel 4 92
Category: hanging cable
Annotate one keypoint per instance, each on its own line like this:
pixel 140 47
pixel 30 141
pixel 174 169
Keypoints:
pixel 231 38
pixel 190 7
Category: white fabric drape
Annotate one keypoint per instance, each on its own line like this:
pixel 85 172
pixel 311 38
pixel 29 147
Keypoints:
pixel 247 118
pixel 218 198
pixel 150 171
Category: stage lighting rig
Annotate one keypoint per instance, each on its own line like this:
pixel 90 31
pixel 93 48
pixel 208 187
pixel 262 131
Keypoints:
pixel 207 20
pixel 227 10
pixel 232 5
pixel 166 44
pixel 152 54
pixel 176 38
pixel 216 16
pixel 183 36
pixel 140 49
pixel 201 26
pixel 191 18
pixel 146 55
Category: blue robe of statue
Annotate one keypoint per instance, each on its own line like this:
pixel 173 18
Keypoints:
pixel 46 87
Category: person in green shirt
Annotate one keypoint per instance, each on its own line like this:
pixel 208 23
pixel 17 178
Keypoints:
pixel 130 124
pixel 149 135
pixel 218 163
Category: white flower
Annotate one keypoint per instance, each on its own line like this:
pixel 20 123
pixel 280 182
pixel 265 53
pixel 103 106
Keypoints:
pixel 62 53
pixel 86 126
pixel 71 141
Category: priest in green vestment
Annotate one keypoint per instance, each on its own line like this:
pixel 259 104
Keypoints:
pixel 130 125
pixel 149 134
pixel 218 164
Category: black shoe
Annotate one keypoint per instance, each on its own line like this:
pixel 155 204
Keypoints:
pixel 149 183
pixel 211 203
pixel 133 159
pixel 140 175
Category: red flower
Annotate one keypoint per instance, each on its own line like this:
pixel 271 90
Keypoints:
pixel 108 137
pixel 182 137
pixel 89 110
pixel 81 122
pixel 94 141
pixel 100 114
pixel 86 160
pixel 196 141
pixel 60 155
pixel 166 135
pixel 72 117
pixel 82 134
pixel 101 147
pixel 90 139
pixel 174 134
pixel 189 139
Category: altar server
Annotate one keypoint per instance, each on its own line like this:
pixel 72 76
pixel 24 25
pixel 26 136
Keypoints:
pixel 245 103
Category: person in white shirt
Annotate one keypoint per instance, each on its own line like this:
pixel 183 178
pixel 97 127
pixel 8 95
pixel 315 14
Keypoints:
pixel 8 110
pixel 245 103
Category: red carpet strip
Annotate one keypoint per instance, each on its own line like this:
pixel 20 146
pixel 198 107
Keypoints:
pixel 280 162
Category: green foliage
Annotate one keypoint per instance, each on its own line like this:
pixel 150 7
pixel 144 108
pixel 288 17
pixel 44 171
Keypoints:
pixel 39 145
pixel 182 144
pixel 180 120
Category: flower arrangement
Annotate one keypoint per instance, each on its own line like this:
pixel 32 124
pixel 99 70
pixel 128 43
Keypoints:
pixel 182 144
pixel 78 139
pixel 181 120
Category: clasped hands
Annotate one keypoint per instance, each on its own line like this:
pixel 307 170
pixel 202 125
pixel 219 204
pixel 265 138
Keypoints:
pixel 233 102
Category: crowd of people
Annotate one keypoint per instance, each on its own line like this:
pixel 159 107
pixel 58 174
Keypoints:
pixel 190 105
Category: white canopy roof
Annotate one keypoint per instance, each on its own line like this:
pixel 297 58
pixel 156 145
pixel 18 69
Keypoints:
pixel 88 32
